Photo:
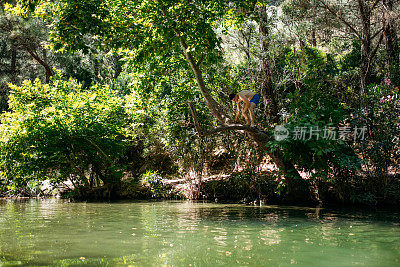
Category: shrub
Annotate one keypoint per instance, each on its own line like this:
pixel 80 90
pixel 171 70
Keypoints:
pixel 59 131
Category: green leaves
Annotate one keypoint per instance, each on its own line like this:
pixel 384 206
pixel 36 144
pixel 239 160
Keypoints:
pixel 151 28
pixel 30 4
pixel 312 112
pixel 60 130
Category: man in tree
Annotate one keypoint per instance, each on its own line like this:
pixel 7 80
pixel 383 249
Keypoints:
pixel 250 101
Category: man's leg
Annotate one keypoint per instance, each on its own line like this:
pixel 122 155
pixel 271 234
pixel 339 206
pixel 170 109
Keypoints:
pixel 251 111
pixel 244 113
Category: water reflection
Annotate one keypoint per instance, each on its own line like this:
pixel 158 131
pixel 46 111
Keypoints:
pixel 56 232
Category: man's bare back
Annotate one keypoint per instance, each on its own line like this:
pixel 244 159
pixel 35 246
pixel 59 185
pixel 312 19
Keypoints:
pixel 246 93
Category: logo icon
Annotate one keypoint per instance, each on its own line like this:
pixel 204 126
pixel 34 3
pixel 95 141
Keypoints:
pixel 280 133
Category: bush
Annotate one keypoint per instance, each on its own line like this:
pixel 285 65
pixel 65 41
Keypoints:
pixel 310 106
pixel 59 131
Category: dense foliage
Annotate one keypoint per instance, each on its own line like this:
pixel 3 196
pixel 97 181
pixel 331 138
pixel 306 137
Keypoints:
pixel 123 72
pixel 62 132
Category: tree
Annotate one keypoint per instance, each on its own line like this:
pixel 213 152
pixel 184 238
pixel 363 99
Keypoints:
pixel 61 132
pixel 27 34
pixel 160 33
pixel 360 20
pixel 390 38
pixel 267 87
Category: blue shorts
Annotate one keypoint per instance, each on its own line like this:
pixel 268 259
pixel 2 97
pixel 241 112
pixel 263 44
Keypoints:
pixel 255 99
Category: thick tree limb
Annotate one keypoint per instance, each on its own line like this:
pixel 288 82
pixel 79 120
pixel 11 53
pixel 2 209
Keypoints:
pixel 227 127
pixel 34 54
pixel 215 108
pixel 200 60
pixel 224 128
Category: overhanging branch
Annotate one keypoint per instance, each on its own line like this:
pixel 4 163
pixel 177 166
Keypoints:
pixel 257 135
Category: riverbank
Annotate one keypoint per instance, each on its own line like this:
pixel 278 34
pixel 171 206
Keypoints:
pixel 266 188
pixel 241 187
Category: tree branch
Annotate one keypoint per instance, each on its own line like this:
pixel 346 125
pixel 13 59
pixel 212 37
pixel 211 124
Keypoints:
pixel 195 122
pixel 376 48
pixel 200 60
pixel 215 108
pixel 34 54
pixel 376 34
pixel 340 17
pixel 256 134
pixel 99 149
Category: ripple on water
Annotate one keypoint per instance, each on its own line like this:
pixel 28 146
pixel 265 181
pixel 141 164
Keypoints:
pixel 53 231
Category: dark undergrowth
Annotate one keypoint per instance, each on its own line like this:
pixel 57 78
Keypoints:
pixel 242 187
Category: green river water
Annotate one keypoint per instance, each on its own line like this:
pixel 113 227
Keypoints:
pixel 183 233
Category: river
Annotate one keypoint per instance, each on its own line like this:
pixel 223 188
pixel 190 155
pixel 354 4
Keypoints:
pixel 184 233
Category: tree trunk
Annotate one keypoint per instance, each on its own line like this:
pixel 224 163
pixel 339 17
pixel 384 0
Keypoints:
pixel 117 65
pixel 365 45
pixel 13 66
pixel 34 54
pixel 267 88
pixel 48 73
pixel 313 38
pixel 267 92
pixel 390 43
pixel 297 189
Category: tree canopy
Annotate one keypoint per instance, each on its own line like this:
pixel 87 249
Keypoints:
pixel 139 91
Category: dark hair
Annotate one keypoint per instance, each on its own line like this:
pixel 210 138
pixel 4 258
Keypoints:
pixel 232 96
